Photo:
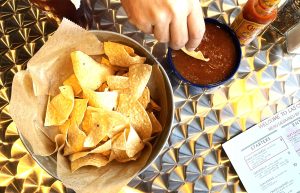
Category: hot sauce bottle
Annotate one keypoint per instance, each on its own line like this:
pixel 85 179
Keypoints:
pixel 255 16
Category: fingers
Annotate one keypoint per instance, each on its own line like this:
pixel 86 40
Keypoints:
pixel 146 28
pixel 196 27
pixel 178 33
pixel 161 32
pixel 140 22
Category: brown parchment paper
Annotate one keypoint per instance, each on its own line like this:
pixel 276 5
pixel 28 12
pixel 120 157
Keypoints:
pixel 31 91
pixel 25 109
pixel 51 65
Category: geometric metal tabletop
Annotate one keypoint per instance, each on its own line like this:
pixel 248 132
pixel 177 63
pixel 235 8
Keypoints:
pixel 193 160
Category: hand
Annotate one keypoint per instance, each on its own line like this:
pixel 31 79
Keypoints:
pixel 179 22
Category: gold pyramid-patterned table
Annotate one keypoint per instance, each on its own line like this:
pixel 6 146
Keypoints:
pixel 193 160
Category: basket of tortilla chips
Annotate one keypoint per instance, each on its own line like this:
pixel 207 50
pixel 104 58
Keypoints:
pixel 94 108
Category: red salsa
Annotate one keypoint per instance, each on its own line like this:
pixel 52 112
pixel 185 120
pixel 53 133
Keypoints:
pixel 218 46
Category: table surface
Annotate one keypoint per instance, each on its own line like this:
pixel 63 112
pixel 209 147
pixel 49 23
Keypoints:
pixel 193 160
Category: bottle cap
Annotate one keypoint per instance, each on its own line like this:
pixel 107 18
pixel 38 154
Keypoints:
pixel 269 4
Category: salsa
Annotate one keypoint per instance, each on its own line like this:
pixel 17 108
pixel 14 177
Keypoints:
pixel 218 46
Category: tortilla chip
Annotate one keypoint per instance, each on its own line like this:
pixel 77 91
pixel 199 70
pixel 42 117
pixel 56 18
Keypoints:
pixel 79 109
pixel 63 129
pixel 123 91
pixel 117 82
pixel 121 55
pixel 105 123
pixel 138 116
pixel 156 126
pixel 87 123
pixel 154 106
pixel 121 156
pixel 76 115
pixel 195 54
pixel 75 140
pixel 105 138
pixel 133 143
pixel 97 160
pixel 97 133
pixel 139 76
pixel 107 153
pixel 119 141
pixel 105 61
pixel 60 107
pixel 103 88
pixel 73 82
pixel 115 68
pixel 145 98
pixel 129 50
pixel 78 155
pixel 89 73
pixel 116 122
pixel 103 149
pixel 129 141
pixel 106 100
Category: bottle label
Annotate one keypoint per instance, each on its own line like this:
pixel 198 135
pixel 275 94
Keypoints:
pixel 246 30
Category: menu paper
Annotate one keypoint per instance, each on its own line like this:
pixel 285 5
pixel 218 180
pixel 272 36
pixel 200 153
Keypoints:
pixel 267 156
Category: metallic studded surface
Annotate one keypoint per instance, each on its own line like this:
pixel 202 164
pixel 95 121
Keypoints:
pixel 23 31
pixel 193 161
